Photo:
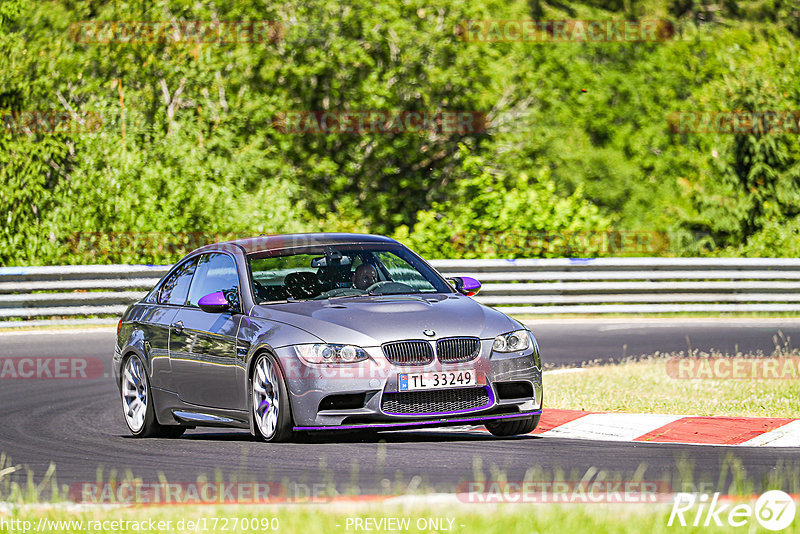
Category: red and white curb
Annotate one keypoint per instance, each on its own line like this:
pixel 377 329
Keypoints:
pixel 653 428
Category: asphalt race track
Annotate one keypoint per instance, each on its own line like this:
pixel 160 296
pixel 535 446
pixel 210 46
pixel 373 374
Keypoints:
pixel 570 342
pixel 78 425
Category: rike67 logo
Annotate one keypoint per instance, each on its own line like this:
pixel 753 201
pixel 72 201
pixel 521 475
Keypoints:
pixel 774 510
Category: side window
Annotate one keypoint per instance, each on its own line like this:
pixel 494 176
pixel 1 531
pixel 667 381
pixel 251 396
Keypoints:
pixel 176 287
pixel 215 272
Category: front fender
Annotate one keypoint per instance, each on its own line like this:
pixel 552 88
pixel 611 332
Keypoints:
pixel 267 336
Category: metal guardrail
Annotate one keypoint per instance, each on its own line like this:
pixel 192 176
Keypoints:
pixel 634 285
pixel 73 290
pixel 526 286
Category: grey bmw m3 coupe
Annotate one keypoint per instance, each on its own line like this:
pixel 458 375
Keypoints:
pixel 299 333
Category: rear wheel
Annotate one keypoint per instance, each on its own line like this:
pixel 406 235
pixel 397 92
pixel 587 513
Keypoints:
pixel 271 413
pixel 513 428
pixel 137 403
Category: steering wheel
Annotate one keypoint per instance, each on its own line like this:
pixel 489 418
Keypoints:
pixel 397 287
pixel 376 285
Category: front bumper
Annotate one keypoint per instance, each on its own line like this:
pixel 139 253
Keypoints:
pixel 310 385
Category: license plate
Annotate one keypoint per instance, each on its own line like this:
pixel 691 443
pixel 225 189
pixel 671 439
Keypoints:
pixel 439 380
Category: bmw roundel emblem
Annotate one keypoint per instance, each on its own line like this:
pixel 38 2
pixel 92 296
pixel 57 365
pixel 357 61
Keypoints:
pixel 428 332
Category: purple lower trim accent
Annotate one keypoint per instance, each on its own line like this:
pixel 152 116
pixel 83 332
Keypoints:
pixel 419 423
pixel 487 405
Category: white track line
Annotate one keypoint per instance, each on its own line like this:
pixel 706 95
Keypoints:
pixel 52 331
pixel 611 426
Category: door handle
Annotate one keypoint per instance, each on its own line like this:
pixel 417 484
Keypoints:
pixel 178 327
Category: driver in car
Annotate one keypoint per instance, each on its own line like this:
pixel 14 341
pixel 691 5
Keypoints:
pixel 364 276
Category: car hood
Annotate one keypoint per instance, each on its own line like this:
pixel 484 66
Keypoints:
pixel 372 321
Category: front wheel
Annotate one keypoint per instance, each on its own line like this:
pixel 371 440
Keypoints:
pixel 513 428
pixel 271 412
pixel 137 404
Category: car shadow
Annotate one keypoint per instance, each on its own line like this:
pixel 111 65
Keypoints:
pixel 395 436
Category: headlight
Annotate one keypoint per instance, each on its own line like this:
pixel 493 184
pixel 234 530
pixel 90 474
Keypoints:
pixel 512 342
pixel 325 353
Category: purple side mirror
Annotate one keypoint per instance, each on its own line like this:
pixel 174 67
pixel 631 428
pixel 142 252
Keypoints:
pixel 469 286
pixel 466 285
pixel 214 303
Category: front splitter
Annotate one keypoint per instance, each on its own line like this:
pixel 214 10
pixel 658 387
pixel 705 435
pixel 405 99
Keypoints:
pixel 421 424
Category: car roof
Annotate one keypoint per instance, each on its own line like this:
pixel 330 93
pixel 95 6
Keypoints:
pixel 265 242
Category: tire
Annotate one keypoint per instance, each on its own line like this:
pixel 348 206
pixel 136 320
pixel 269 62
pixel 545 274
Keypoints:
pixel 272 415
pixel 137 403
pixel 513 428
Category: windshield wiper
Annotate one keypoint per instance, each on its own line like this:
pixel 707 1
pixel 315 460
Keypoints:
pixel 284 301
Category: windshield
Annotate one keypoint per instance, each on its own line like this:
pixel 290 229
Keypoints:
pixel 338 271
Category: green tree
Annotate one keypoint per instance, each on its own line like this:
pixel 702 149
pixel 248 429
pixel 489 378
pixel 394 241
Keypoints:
pixel 491 214
pixel 753 182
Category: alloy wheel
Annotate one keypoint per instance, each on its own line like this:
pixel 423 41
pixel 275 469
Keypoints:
pixel 266 398
pixel 134 394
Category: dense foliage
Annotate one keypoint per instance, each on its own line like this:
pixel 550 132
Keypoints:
pixel 163 144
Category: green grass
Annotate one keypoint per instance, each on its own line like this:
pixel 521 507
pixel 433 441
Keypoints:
pixel 646 387
pixel 481 519
pixel 42 501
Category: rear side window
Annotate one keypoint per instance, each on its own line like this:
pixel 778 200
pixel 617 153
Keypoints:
pixel 215 272
pixel 176 287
